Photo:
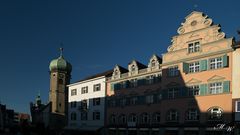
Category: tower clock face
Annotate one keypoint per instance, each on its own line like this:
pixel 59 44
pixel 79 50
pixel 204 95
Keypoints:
pixel 61 76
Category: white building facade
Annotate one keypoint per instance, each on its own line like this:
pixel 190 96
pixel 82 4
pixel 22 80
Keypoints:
pixel 86 99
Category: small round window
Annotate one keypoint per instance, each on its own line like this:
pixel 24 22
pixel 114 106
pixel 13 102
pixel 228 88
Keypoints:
pixel 193 23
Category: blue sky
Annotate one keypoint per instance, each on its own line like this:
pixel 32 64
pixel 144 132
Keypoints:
pixel 96 35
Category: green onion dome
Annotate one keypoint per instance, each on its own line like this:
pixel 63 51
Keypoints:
pixel 60 64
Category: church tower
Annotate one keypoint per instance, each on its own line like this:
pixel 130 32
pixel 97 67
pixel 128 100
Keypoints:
pixel 60 75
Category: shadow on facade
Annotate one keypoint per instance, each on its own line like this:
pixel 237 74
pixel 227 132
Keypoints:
pixel 87 117
pixel 169 106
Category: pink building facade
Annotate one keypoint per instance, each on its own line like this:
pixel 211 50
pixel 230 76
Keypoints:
pixel 190 90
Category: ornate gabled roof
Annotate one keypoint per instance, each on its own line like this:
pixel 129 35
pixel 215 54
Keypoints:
pixel 196 26
pixel 138 64
pixel 121 69
pixel 157 57
pixel 194 21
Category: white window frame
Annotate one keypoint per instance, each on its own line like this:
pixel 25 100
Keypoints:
pixel 96 115
pixel 73 104
pixel 216 88
pixel 149 99
pixel 193 90
pixel 96 101
pixel 96 87
pixel 133 83
pixel 123 101
pixel 194 67
pixel 84 104
pixel 122 119
pixel 133 100
pixel 173 93
pixel 73 92
pixel 84 90
pixel 237 103
pixel 172 115
pixel 132 118
pixel 157 117
pixel 194 47
pixel 216 63
pixel 145 118
pixel 173 71
pixel 192 115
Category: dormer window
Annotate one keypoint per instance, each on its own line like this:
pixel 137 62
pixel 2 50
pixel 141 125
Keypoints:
pixel 153 63
pixel 116 72
pixel 133 68
pixel 194 47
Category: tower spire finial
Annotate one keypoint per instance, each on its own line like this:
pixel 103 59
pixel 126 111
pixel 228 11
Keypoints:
pixel 61 49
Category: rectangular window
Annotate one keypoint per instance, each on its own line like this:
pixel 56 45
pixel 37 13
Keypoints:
pixel 133 83
pixel 122 102
pixel 194 47
pixel 150 79
pixel 215 88
pixel 194 67
pixel 84 116
pixel 73 92
pixel 173 71
pixel 96 87
pixel 96 101
pixel 237 107
pixel 149 99
pixel 216 63
pixel 193 90
pixel 133 100
pixel 173 93
pixel 96 115
pixel 73 104
pixel 84 90
pixel 84 105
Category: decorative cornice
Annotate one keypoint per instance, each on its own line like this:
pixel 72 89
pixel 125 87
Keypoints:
pixel 216 78
pixel 198 57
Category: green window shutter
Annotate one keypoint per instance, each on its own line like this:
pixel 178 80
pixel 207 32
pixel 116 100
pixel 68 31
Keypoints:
pixel 226 86
pixel 112 86
pixel 203 89
pixel 155 98
pixel 203 65
pixel 127 84
pixel 185 67
pixel 141 100
pixel 164 94
pixel 183 91
pixel 225 60
pixel 117 86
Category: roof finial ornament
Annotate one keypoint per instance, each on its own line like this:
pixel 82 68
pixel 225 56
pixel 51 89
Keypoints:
pixel 61 49
pixel 39 93
pixel 195 5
